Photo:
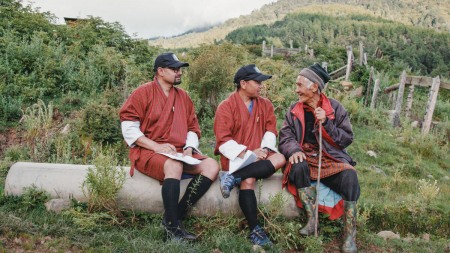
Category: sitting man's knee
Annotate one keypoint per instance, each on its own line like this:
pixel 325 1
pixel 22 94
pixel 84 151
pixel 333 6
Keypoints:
pixel 173 169
pixel 350 189
pixel 350 176
pixel 248 183
pixel 210 168
pixel 277 160
pixel 300 167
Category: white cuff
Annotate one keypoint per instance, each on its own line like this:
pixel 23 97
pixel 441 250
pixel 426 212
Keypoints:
pixel 269 141
pixel 192 142
pixel 131 132
pixel 231 149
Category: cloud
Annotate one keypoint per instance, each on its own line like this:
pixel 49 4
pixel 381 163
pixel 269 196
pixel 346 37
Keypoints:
pixel 150 18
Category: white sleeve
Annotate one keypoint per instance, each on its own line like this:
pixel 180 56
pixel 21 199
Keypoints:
pixel 269 141
pixel 192 141
pixel 231 149
pixel 131 131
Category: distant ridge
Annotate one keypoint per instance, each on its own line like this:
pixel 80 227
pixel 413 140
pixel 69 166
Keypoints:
pixel 432 14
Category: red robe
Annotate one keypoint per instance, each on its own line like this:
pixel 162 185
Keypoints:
pixel 162 119
pixel 233 121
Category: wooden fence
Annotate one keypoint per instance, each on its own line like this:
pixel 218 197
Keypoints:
pixel 396 91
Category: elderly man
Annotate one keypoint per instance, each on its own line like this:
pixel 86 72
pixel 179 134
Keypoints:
pixel 158 119
pixel 299 142
pixel 245 127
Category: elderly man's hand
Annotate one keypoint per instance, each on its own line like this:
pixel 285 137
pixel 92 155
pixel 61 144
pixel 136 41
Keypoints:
pixel 297 157
pixel 320 114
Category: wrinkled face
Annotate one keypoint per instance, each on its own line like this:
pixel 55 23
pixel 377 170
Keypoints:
pixel 252 88
pixel 305 93
pixel 171 75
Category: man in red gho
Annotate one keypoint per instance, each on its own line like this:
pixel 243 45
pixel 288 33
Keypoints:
pixel 245 121
pixel 159 117
pixel 299 138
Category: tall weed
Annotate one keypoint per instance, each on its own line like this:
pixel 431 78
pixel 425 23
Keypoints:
pixel 37 121
pixel 103 182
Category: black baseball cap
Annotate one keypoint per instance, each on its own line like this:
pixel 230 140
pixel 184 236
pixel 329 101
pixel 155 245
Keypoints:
pixel 250 72
pixel 168 60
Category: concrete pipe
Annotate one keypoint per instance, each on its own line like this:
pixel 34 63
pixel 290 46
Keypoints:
pixel 139 193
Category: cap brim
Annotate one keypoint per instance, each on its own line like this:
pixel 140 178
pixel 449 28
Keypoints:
pixel 261 77
pixel 179 64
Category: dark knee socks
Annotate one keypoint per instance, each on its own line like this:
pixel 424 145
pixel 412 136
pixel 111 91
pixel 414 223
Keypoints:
pixel 259 170
pixel 198 186
pixel 170 192
pixel 247 202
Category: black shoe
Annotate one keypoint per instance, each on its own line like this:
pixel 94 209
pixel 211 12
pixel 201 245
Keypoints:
pixel 178 232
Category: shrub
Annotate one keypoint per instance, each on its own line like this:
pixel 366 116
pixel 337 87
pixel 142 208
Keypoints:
pixel 10 111
pixel 103 182
pixel 33 197
pixel 37 121
pixel 211 73
pixel 101 123
pixel 16 153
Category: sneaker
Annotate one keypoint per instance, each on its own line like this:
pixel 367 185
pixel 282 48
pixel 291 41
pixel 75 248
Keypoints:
pixel 259 237
pixel 178 232
pixel 227 183
pixel 174 233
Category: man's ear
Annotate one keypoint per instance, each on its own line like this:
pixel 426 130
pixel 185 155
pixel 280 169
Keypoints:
pixel 242 83
pixel 314 87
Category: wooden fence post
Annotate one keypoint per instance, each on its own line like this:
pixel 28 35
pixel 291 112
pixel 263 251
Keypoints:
pixel 361 53
pixel 434 90
pixel 271 51
pixel 392 99
pixel 409 101
pixel 325 65
pixel 369 83
pixel 349 62
pixel 263 48
pixel 365 59
pixel 291 44
pixel 376 87
pixel 398 103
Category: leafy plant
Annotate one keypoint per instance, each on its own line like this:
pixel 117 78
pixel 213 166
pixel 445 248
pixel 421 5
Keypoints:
pixel 103 182
pixel 101 123
pixel 33 197
pixel 427 190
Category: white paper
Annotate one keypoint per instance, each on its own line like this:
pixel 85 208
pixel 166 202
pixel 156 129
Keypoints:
pixel 239 163
pixel 183 158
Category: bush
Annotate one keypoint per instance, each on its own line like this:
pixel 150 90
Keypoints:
pixel 103 182
pixel 101 123
pixel 10 111
pixel 33 197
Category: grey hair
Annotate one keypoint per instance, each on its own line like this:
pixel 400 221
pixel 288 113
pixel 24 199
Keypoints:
pixel 309 83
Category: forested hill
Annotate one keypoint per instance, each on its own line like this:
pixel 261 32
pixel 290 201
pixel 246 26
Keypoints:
pixel 428 14
pixel 425 51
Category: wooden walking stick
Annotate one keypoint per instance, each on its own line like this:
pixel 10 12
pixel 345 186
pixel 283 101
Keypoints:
pixel 318 181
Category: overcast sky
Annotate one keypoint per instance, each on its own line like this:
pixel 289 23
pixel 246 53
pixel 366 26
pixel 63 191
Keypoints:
pixel 150 18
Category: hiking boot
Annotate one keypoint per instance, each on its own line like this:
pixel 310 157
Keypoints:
pixel 227 183
pixel 308 197
pixel 259 237
pixel 178 232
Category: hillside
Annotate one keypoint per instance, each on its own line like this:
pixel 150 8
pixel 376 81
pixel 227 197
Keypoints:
pixel 429 14
pixel 61 88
